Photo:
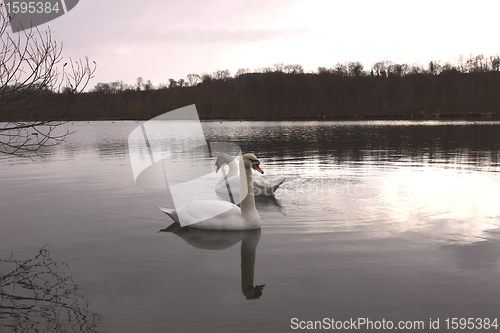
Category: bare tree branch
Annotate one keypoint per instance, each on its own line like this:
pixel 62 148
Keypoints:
pixel 38 294
pixel 37 90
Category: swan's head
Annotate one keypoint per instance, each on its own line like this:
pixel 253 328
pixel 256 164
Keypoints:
pixel 251 161
pixel 255 293
pixel 223 159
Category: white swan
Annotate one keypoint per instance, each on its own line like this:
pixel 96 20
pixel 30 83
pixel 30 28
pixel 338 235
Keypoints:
pixel 261 186
pixel 234 218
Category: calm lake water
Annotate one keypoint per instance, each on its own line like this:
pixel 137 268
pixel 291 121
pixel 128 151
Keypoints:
pixel 379 220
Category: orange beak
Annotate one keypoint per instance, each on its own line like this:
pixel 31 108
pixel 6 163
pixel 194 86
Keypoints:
pixel 256 166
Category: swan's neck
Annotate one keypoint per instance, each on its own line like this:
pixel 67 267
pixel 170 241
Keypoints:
pixel 248 250
pixel 247 205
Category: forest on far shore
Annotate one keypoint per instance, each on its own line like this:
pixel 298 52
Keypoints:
pixel 468 88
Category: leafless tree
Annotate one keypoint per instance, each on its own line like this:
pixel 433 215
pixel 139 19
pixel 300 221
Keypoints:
pixel 279 67
pixel 193 79
pixel 182 83
pixel 354 68
pixel 148 85
pixel 415 69
pixel 477 64
pixel 263 70
pixel 382 68
pixel 103 88
pixel 293 69
pixel 118 86
pixel 242 71
pixel 37 89
pixel 139 83
pixel 172 83
pixel 323 70
pixel 339 69
pixel 206 77
pixel 222 74
pixel 495 63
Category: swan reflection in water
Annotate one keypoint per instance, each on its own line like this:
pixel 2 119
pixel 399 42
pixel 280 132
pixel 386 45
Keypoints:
pixel 224 239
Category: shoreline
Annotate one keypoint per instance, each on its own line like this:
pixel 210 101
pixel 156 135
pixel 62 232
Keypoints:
pixel 311 118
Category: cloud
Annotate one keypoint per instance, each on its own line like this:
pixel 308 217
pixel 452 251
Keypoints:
pixel 228 35
pixel 159 39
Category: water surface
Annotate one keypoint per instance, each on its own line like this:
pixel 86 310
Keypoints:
pixel 393 220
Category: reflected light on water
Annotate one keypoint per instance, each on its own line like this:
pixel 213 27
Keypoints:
pixel 452 206
pixel 395 220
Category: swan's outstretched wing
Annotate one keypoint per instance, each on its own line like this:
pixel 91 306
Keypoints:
pixel 260 181
pixel 270 186
pixel 170 212
pixel 276 183
pixel 202 210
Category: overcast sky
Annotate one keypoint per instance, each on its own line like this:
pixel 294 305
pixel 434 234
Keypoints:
pixel 162 39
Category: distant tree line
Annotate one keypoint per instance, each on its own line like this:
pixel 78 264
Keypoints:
pixel 467 88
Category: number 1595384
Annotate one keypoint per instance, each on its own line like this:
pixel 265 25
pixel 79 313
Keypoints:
pixel 32 7
pixel 471 323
